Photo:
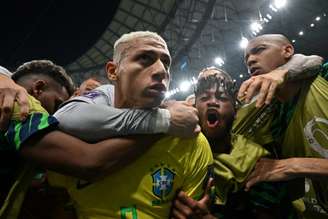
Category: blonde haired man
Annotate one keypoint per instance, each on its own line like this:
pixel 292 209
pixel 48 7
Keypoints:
pixel 146 187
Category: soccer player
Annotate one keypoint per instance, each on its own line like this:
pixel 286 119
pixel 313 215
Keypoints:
pixel 146 187
pixel 50 84
pixel 9 92
pixel 304 115
pixel 87 86
pixel 233 159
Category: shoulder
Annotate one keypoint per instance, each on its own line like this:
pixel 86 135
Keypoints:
pixel 18 132
pixel 101 95
pixel 189 148
pixel 34 105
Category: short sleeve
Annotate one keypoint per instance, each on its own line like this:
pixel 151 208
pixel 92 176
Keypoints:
pixel 19 132
pixel 324 71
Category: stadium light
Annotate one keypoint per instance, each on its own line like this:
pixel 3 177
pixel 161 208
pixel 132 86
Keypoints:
pixel 243 43
pixel 168 94
pixel 255 26
pixel 219 61
pixel 280 3
pixel 184 86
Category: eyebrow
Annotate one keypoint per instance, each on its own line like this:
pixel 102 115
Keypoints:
pixel 251 51
pixel 162 54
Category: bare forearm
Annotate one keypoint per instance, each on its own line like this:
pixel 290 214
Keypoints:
pixel 308 167
pixel 68 155
pixel 301 66
pixel 113 154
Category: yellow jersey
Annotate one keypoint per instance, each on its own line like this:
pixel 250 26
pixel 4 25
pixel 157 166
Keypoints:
pixel 145 188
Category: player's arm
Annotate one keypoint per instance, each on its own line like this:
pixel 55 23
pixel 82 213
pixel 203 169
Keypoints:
pixel 37 139
pixel 301 67
pixel 287 169
pixel 94 122
pixel 9 92
pixel 269 170
pixel 297 68
pixel 66 154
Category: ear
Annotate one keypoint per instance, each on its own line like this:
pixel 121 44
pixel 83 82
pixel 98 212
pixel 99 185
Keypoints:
pixel 111 71
pixel 288 51
pixel 38 87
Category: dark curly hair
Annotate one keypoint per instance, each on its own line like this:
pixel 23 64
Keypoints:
pixel 48 68
pixel 224 83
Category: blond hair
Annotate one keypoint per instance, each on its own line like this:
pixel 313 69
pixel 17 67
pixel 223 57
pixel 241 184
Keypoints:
pixel 119 49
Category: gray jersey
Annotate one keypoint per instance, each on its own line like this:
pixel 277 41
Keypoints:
pixel 92 117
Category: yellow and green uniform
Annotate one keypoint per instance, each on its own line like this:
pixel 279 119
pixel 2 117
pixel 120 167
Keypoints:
pixel 145 188
pixel 253 136
pixel 16 174
pixel 307 136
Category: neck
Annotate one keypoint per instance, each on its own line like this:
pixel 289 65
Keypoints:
pixel 220 145
pixel 119 100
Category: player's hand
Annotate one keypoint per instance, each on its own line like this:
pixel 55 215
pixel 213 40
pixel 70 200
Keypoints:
pixel 9 92
pixel 264 85
pixel 270 170
pixel 186 207
pixel 184 119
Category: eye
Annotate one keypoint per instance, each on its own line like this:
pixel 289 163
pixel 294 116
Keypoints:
pixel 204 98
pixel 222 97
pixel 166 62
pixel 259 49
pixel 145 59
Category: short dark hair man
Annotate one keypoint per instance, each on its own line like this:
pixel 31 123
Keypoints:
pixel 304 140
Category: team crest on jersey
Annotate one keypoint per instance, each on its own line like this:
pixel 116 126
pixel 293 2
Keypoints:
pixel 317 136
pixel 163 179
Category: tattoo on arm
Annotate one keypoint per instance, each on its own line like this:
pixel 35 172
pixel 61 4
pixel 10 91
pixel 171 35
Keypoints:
pixel 301 66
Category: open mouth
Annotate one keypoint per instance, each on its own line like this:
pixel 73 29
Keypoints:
pixel 213 119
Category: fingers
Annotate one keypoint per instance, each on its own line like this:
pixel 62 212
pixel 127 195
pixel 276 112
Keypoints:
pixel 272 91
pixel 252 90
pixel 209 185
pixel 244 87
pixel 262 94
pixel 176 214
pixel 22 100
pixel 186 200
pixel 197 129
pixel 181 210
pixel 206 199
pixel 257 175
pixel 251 181
pixel 8 101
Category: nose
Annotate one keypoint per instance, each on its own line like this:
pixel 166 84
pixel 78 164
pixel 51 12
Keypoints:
pixel 160 73
pixel 251 61
pixel 213 102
